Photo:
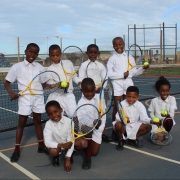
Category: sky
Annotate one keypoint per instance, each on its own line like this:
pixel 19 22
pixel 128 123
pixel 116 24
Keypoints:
pixel 79 22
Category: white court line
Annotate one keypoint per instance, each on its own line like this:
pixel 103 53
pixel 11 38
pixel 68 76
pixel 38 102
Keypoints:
pixel 149 154
pixel 20 168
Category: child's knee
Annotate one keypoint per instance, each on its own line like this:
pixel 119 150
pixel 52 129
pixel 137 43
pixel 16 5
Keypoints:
pixel 84 143
pixel 118 126
pixel 53 152
pixel 148 128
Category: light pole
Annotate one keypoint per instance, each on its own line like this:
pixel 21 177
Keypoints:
pixel 48 40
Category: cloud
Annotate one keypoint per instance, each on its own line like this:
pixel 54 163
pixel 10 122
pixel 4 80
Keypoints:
pixel 82 21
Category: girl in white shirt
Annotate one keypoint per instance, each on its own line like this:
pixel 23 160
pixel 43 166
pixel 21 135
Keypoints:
pixel 163 102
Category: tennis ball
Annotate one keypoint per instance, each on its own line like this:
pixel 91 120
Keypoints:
pixel 64 84
pixel 146 64
pixel 164 112
pixel 156 119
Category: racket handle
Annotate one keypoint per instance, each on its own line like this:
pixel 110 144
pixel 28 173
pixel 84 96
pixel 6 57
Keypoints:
pixel 65 90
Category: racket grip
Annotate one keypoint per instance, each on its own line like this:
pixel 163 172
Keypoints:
pixel 65 90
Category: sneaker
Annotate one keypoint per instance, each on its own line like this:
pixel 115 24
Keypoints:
pixel 87 163
pixel 55 161
pixel 106 138
pixel 135 143
pixel 15 156
pixel 120 145
pixel 43 150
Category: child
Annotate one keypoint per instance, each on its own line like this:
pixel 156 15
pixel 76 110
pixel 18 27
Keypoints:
pixel 24 72
pixel 93 53
pixel 57 135
pixel 139 122
pixel 89 91
pixel 163 102
pixel 66 100
pixel 117 71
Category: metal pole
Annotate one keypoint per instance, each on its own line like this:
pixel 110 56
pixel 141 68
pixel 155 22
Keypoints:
pixel 161 46
pixel 176 43
pixel 61 43
pixel 163 42
pixel 18 49
pixel 135 41
pixel 128 36
pixel 94 40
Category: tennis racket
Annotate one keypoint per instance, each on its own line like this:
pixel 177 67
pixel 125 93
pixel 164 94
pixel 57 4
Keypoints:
pixel 71 59
pixel 43 83
pixel 161 137
pixel 97 71
pixel 106 96
pixel 137 56
pixel 85 119
pixel 122 115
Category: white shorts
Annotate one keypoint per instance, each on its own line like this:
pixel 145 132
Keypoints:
pixel 120 86
pixel 30 103
pixel 67 102
pixel 97 133
pixel 131 129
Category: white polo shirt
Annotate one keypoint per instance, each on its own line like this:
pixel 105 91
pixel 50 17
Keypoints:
pixel 58 132
pixel 69 68
pixel 117 65
pixel 24 72
pixel 96 71
pixel 137 115
pixel 157 105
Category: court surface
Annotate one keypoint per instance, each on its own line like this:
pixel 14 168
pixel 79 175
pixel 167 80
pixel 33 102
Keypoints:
pixel 150 162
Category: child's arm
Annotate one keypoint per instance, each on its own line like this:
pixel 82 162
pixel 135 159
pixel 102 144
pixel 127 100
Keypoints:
pixel 143 115
pixel 13 95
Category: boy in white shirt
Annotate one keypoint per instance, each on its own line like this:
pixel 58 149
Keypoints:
pixel 139 122
pixel 66 100
pixel 92 63
pixel 58 135
pixel 24 72
pixel 94 140
pixel 118 71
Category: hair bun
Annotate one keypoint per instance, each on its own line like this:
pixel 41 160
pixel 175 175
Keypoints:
pixel 162 78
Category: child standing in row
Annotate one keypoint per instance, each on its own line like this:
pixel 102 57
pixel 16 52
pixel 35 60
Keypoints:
pixel 98 75
pixel 24 72
pixel 118 71
pixel 66 100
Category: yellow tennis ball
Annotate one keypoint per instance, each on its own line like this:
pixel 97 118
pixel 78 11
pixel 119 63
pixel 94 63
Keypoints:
pixel 146 64
pixel 156 119
pixel 64 84
pixel 164 112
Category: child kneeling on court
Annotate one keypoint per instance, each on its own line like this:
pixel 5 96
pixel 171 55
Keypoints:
pixel 58 136
pixel 138 120
pixel 95 138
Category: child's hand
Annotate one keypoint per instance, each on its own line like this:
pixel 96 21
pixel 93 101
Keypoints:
pixel 14 96
pixel 126 74
pixel 146 67
pixel 67 145
pixel 67 165
pixel 97 90
pixel 79 83
pixel 63 87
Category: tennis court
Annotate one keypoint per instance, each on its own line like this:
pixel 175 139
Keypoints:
pixel 150 162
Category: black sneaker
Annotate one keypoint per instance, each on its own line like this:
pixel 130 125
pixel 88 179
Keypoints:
pixel 55 161
pixel 106 138
pixel 120 145
pixel 114 136
pixel 135 143
pixel 87 163
pixel 15 156
pixel 43 150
